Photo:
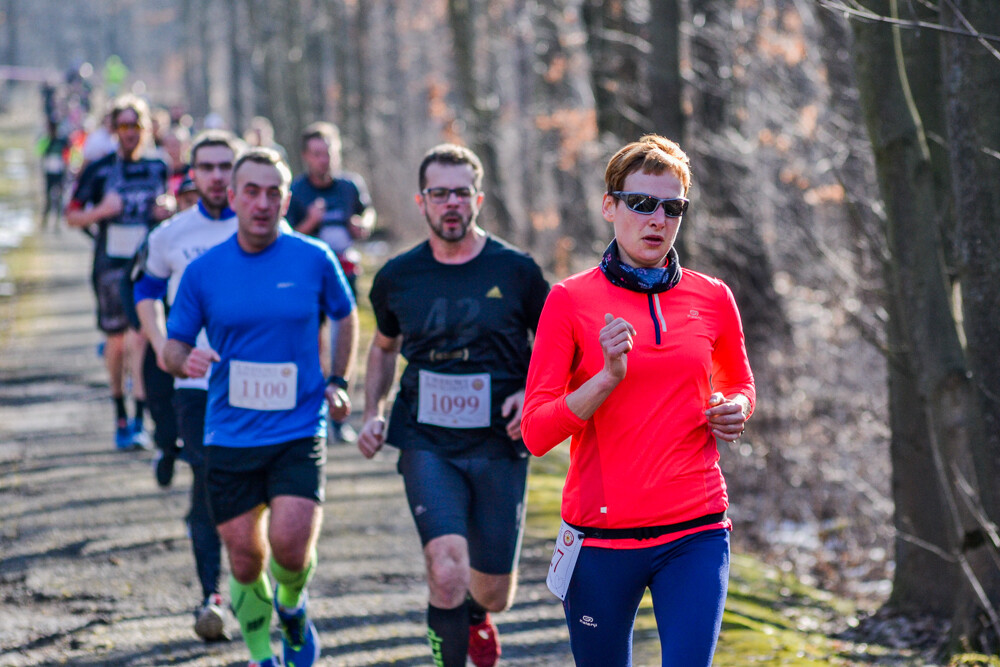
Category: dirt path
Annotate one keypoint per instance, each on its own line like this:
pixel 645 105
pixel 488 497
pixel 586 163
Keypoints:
pixel 95 565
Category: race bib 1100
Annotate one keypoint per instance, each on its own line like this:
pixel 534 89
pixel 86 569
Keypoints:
pixel 257 386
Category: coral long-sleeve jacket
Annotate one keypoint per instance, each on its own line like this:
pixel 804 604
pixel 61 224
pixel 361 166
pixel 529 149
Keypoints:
pixel 647 456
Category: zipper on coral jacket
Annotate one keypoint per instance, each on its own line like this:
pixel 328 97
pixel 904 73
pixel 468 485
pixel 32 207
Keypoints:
pixel 656 313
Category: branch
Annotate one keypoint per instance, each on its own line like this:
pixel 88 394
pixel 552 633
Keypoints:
pixel 621 37
pixel 991 152
pixel 983 38
pixel 975 507
pixel 924 544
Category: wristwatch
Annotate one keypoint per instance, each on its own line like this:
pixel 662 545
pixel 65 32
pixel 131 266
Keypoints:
pixel 338 380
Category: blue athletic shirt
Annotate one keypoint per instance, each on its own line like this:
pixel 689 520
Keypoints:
pixel 262 308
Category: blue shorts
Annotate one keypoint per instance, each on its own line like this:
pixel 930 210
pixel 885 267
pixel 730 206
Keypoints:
pixel 241 478
pixel 480 499
pixel 688 579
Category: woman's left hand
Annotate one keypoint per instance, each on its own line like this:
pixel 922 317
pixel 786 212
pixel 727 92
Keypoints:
pixel 727 416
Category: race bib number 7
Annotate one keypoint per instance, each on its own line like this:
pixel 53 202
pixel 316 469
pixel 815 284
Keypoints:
pixel 257 386
pixel 454 401
pixel 563 561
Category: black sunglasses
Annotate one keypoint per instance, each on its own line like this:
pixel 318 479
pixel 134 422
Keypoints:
pixel 645 204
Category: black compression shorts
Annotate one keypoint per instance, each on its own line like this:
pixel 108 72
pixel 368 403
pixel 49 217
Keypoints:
pixel 481 499
pixel 111 317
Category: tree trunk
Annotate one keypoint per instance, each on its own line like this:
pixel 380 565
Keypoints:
pixel 972 82
pixel 238 64
pixel 194 47
pixel 921 544
pixel 920 294
pixel 922 54
pixel 204 21
pixel 565 120
pixel 290 66
pixel 363 108
pixel 259 37
pixel 635 72
pixel 666 86
pixel 11 52
pixel 463 16
pixel 190 60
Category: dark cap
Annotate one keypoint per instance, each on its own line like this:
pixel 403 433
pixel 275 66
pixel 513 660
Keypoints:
pixel 187 185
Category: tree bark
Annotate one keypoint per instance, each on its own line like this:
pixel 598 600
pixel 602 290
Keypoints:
pixel 238 64
pixel 922 56
pixel 666 85
pixel 290 65
pixel 923 320
pixel 463 16
pixel 972 84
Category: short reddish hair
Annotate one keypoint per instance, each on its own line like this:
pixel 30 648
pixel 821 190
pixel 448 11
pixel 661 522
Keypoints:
pixel 651 154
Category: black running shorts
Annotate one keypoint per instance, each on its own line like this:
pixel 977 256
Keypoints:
pixel 478 498
pixel 111 316
pixel 241 478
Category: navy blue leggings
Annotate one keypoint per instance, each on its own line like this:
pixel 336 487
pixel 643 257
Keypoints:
pixel 688 579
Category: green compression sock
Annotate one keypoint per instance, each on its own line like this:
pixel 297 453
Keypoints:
pixel 291 584
pixel 252 606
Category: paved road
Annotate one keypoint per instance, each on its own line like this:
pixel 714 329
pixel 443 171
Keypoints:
pixel 95 565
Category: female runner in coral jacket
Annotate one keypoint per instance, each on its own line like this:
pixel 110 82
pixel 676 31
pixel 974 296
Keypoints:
pixel 643 365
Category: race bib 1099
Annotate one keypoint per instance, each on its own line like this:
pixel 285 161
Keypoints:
pixel 454 401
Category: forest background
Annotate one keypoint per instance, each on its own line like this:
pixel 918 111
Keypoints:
pixel 846 157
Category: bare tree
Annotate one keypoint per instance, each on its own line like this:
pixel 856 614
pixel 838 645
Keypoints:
pixel 636 75
pixel 239 65
pixel 471 44
pixel 955 406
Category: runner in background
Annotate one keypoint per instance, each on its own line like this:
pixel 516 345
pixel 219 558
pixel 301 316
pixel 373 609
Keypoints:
pixel 334 206
pixel 118 200
pixel 53 149
pixel 170 248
